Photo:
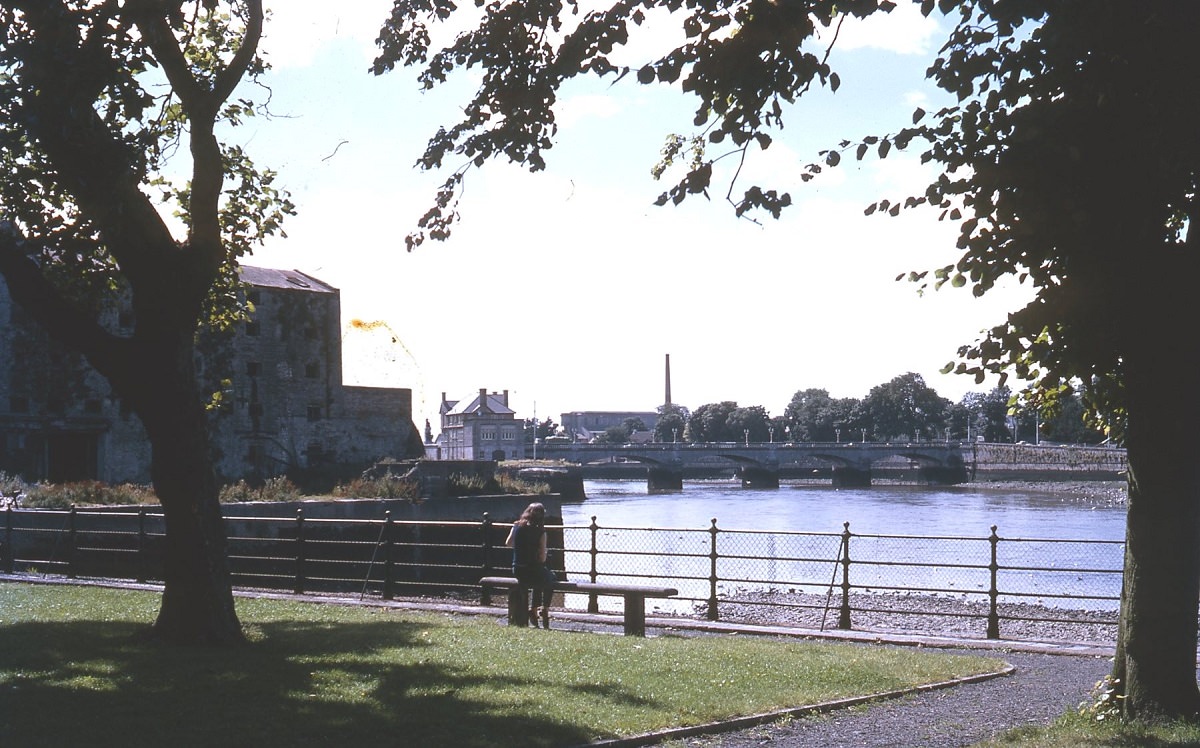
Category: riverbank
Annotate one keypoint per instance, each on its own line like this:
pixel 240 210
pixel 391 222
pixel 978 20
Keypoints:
pixel 916 614
pixel 1102 492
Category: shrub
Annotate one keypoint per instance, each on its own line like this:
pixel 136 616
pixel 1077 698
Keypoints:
pixel 278 488
pixel 86 493
pixel 512 484
pixel 384 487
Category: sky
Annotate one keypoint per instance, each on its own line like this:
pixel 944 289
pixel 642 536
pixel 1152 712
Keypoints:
pixel 568 287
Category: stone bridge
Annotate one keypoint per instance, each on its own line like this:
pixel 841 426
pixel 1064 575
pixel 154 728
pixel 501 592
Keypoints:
pixel 759 465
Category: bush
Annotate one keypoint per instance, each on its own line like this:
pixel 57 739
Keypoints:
pixel 384 487
pixel 86 493
pixel 278 488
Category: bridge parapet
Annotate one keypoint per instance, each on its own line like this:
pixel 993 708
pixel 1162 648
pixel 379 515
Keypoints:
pixel 941 459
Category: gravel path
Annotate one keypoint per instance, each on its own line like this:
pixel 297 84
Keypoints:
pixel 1042 689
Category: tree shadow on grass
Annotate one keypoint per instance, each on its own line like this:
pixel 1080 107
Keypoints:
pixel 301 683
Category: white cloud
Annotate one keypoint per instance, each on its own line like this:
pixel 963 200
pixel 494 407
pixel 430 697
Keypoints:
pixel 903 31
pixel 298 30
pixel 574 109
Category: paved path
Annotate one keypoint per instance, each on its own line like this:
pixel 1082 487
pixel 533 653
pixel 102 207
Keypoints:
pixel 1043 688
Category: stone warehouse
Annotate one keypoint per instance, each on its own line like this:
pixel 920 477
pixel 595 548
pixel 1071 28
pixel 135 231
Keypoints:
pixel 281 406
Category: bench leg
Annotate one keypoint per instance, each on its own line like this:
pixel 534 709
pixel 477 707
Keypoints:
pixel 635 614
pixel 518 606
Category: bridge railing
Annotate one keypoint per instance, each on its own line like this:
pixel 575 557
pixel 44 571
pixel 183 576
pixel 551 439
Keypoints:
pixel 983 586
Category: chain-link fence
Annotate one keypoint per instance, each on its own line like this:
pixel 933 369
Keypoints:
pixel 985 586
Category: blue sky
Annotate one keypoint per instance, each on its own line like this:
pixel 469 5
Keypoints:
pixel 568 287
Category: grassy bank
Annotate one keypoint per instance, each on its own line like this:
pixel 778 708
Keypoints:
pixel 1079 731
pixel 75 670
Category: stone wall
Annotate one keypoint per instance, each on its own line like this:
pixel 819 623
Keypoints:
pixel 1043 461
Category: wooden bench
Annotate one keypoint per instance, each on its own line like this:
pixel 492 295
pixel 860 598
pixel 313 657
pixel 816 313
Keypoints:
pixel 635 599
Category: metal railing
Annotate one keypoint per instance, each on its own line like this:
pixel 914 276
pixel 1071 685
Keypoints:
pixel 986 586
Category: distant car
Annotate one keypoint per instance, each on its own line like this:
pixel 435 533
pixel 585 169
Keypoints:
pixel 557 439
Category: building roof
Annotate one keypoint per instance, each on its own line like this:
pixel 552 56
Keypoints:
pixel 495 404
pixel 288 279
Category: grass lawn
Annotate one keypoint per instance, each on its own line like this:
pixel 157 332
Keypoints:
pixel 1077 731
pixel 75 670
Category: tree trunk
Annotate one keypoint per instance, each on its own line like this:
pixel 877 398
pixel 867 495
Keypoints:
pixel 197 602
pixel 1156 647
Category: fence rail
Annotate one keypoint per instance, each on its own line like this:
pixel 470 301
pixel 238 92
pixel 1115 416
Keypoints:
pixel 985 586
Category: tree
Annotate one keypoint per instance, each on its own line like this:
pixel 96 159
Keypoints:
pixel 987 414
pixel 710 423
pixel 539 430
pixel 814 416
pixel 672 421
pixel 1069 162
pixel 751 424
pixel 613 435
pixel 634 425
pixel 905 408
pixel 87 129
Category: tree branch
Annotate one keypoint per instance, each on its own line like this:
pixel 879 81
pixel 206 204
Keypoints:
pixel 60 318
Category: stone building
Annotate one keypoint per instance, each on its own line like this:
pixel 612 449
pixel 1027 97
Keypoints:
pixel 483 428
pixel 282 407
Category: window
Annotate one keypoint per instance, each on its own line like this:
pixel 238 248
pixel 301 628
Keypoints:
pixel 509 434
pixel 256 409
pixel 91 405
pixel 18 405
pixel 252 329
pixel 253 368
pixel 314 412
pixel 488 434
pixel 312 370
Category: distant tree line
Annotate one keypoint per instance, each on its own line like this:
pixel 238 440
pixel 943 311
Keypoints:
pixel 904 408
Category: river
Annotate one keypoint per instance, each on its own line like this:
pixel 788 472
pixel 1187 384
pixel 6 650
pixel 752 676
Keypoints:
pixel 966 510
pixel 935 528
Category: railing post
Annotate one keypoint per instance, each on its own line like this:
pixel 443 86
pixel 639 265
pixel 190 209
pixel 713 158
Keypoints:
pixel 993 620
pixel 844 613
pixel 713 613
pixel 593 600
pixel 8 540
pixel 388 564
pixel 71 539
pixel 485 596
pixel 299 586
pixel 141 545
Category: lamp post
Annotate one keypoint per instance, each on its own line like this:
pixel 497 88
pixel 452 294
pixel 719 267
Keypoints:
pixel 674 436
pixel 746 433
pixel 771 431
pixel 837 435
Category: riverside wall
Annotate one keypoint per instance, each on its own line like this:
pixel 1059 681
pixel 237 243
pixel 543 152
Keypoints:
pixel 1051 462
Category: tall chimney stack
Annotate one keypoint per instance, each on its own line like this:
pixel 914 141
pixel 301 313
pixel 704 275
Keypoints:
pixel 668 399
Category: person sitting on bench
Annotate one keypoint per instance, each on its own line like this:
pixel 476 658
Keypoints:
pixel 528 541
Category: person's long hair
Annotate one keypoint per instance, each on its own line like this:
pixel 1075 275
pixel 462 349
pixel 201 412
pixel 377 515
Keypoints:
pixel 534 515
